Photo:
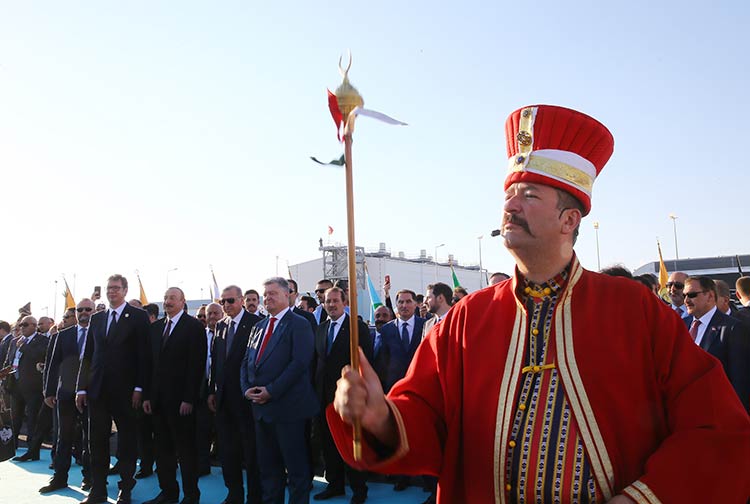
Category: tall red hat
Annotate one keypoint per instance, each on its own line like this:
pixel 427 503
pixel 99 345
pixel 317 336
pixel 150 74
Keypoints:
pixel 558 147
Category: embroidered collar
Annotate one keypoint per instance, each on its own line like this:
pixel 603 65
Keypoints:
pixel 545 290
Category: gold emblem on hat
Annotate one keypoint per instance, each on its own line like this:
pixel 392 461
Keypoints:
pixel 524 138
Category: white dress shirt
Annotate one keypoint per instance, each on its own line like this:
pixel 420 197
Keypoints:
pixel 705 319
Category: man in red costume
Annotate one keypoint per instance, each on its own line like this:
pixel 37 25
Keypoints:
pixel 538 389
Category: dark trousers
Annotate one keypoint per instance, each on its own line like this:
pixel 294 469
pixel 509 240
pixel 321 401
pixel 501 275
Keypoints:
pixel 205 433
pixel 42 428
pixel 26 406
pixel 336 469
pixel 68 419
pixel 146 445
pixel 118 407
pixel 234 429
pixel 175 440
pixel 282 445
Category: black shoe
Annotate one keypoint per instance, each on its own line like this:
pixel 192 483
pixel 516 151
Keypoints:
pixel 53 485
pixel 190 500
pixel 26 457
pixel 204 472
pixel 114 470
pixel 143 473
pixel 95 499
pixel 123 497
pixel 328 493
pixel 358 499
pixel 52 465
pixel 401 485
pixel 163 498
pixel 86 485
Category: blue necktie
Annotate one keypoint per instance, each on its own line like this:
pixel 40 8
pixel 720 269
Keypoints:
pixel 81 340
pixel 330 338
pixel 405 334
pixel 110 328
pixel 378 344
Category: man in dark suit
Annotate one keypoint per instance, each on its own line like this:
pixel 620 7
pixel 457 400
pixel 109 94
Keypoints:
pixel 383 315
pixel 114 371
pixel 276 379
pixel 320 288
pixel 402 336
pixel 724 337
pixel 178 348
pixel 234 420
pixel 206 427
pixel 293 293
pixel 331 354
pixel 60 393
pixel 742 286
pixel 26 386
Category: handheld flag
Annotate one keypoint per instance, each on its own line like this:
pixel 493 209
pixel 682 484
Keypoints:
pixel 215 289
pixel 374 297
pixel 69 301
pixel 334 162
pixel 456 283
pixel 663 275
pixel 144 300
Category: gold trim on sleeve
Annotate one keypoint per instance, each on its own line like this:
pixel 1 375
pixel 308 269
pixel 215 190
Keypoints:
pixel 641 493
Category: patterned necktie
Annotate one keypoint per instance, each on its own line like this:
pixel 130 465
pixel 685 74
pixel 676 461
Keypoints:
pixel 694 329
pixel 81 340
pixel 230 336
pixel 405 334
pixel 266 338
pixel 331 330
pixel 167 331
pixel 110 329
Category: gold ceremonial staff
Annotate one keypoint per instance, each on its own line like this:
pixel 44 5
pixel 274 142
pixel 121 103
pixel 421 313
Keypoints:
pixel 348 99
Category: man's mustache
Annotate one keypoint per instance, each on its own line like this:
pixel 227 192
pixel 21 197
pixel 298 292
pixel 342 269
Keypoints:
pixel 518 221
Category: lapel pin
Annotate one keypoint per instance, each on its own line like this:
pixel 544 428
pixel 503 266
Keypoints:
pixel 127 315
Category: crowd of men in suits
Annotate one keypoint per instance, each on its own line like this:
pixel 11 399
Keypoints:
pixel 256 381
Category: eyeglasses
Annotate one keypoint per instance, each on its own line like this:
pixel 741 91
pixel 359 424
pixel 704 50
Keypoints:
pixel 227 300
pixel 693 295
pixel 677 285
pixel 86 309
pixel 113 287
pixel 65 317
pixel 26 324
pixel 320 291
pixel 200 316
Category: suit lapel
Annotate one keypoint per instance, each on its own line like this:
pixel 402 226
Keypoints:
pixel 711 331
pixel 277 334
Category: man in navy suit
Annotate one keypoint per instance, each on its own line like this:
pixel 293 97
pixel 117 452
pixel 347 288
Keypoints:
pixel 276 379
pixel 178 348
pixel 331 355
pixel 60 393
pixel 234 419
pixel 115 368
pixel 724 337
pixel 401 336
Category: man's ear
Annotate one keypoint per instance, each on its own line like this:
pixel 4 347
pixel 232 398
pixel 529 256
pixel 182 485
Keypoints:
pixel 570 220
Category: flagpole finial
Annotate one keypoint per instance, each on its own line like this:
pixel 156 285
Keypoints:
pixel 347 95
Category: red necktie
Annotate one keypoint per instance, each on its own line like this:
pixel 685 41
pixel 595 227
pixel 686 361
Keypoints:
pixel 694 329
pixel 266 338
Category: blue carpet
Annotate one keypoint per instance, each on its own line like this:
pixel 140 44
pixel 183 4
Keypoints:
pixel 20 483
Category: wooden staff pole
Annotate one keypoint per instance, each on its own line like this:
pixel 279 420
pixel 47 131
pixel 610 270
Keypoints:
pixel 353 319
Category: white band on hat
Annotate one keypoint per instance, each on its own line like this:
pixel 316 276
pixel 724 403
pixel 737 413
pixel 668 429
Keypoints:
pixel 564 166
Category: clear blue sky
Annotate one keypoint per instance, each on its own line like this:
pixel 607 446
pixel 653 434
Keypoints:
pixel 157 135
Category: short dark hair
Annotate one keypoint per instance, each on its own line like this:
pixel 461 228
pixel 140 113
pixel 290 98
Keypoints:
pixel 4 326
pixel 460 290
pixel 706 284
pixel 617 270
pixel 251 291
pixel 292 282
pixel 500 273
pixel 311 303
pixel 566 201
pixel 646 279
pixel 118 278
pixel 441 289
pixel 406 291
pixel 420 298
pixel 325 280
pixel 152 310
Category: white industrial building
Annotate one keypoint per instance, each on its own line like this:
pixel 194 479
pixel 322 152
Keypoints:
pixel 406 272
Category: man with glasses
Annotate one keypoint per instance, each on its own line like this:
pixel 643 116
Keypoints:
pixel 200 314
pixel 293 293
pixel 28 353
pixel 675 286
pixel 115 368
pixel 320 291
pixel 234 420
pixel 60 393
pixel 724 337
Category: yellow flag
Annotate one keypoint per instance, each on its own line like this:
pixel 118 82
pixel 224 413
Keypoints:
pixel 663 275
pixel 69 301
pixel 144 300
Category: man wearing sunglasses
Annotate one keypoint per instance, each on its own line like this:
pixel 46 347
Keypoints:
pixel 541 389
pixel 675 286
pixel 320 290
pixel 60 393
pixel 234 420
pixel 724 337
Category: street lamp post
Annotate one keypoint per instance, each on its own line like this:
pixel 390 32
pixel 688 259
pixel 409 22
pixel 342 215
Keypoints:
pixel 436 261
pixel 479 239
pixel 168 272
pixel 598 260
pixel 676 251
